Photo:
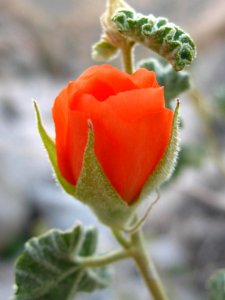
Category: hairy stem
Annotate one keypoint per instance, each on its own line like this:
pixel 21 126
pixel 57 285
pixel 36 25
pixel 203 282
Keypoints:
pixel 127 57
pixel 135 247
pixel 147 268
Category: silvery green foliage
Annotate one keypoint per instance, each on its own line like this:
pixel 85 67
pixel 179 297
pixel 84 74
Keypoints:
pixel 217 286
pixel 158 34
pixel 49 268
pixel 174 82
pixel 103 50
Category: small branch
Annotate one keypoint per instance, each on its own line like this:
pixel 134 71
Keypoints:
pixel 102 260
pixel 120 238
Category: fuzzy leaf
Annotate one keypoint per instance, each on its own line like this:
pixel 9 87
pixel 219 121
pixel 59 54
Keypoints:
pixel 189 155
pixel 174 82
pixel 217 286
pixel 94 189
pixel 49 267
pixel 50 148
pixel 166 166
pixel 103 51
pixel 161 36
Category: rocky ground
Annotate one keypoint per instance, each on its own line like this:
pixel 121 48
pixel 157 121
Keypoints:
pixel 43 44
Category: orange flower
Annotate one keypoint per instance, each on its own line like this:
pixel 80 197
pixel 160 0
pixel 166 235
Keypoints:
pixel 132 127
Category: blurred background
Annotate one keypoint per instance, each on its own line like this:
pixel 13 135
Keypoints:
pixel 46 43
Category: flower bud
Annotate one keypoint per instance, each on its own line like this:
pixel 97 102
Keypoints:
pixel 116 142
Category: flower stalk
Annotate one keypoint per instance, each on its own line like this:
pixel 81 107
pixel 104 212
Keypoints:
pixel 147 268
pixel 127 58
pixel 135 248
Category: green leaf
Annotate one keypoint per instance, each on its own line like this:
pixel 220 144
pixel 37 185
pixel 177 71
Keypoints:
pixel 217 286
pixel 49 267
pixel 50 148
pixel 94 189
pixel 103 51
pixel 174 82
pixel 166 166
pixel 189 155
pixel 161 36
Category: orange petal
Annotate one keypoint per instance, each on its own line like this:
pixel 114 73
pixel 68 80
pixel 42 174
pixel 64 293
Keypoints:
pixel 60 117
pixel 133 105
pixel 93 86
pixel 144 78
pixel 117 80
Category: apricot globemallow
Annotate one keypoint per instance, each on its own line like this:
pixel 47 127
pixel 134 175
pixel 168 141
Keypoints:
pixel 132 128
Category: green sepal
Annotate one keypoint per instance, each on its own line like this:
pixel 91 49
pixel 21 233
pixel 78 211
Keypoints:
pixel 103 51
pixel 217 285
pixel 161 36
pixel 174 82
pixel 49 268
pixel 50 148
pixel 166 165
pixel 94 189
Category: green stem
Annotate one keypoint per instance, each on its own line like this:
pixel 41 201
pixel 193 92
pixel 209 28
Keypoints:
pixel 102 260
pixel 121 239
pixel 127 58
pixel 147 268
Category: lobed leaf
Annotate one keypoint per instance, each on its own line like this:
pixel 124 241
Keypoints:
pixel 49 267
pixel 217 286
pixel 161 36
